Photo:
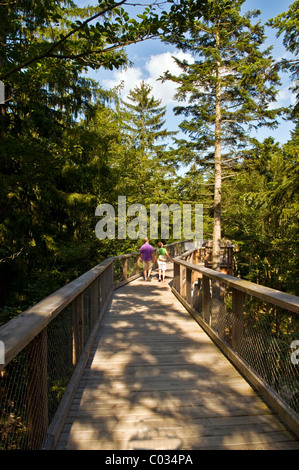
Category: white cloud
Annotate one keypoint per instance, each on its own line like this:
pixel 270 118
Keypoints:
pixel 129 77
pixel 154 67
pixel 284 97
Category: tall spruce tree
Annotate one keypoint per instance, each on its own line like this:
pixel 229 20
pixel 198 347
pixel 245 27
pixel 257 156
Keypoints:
pixel 145 139
pixel 228 89
pixel 143 119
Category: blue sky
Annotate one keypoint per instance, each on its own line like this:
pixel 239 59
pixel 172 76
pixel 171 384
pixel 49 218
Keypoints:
pixel 151 58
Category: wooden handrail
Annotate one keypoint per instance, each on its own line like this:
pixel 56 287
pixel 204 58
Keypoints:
pixel 281 299
pixel 19 331
pixel 205 301
pixel 28 332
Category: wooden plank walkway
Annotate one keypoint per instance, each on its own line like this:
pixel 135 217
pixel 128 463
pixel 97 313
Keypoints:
pixel 156 381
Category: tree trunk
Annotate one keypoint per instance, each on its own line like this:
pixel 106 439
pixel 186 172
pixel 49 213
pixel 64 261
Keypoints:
pixel 217 162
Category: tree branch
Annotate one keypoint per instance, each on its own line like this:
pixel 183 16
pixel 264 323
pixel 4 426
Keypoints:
pixel 228 176
pixel 97 51
pixel 231 159
pixel 58 43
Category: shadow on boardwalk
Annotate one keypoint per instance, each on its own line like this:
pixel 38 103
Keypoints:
pixel 156 381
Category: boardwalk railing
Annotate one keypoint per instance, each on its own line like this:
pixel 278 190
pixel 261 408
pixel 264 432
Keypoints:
pixel 46 349
pixel 256 327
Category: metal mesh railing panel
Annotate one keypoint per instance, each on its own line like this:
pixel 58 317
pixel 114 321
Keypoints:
pixel 13 405
pixel 34 382
pixel 132 267
pixel 261 335
pixel 266 346
pixel 118 271
pixel 61 360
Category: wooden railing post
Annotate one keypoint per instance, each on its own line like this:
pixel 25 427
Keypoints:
pixel 176 276
pixel 78 327
pixel 195 275
pixel 196 301
pixel 125 268
pixel 183 281
pixel 111 276
pixel 188 284
pixel 100 290
pixel 37 390
pixel 238 301
pixel 94 301
pixel 206 299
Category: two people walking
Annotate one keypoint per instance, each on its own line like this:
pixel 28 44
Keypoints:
pixel 149 256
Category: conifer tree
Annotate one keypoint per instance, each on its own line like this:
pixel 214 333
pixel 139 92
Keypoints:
pixel 49 173
pixel 143 119
pixel 228 88
pixel 145 139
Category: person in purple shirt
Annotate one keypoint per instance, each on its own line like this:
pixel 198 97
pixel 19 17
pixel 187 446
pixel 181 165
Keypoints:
pixel 147 256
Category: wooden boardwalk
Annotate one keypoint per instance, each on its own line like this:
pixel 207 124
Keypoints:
pixel 156 381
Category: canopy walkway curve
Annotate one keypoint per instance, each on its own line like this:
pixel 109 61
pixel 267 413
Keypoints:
pixel 198 362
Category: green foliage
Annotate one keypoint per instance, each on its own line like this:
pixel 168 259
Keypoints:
pixel 54 168
pixel 226 90
pixel 144 174
pixel 66 145
pixel 63 31
pixel 287 24
pixel 227 50
pixel 261 216
pixel 197 187
pixel 143 120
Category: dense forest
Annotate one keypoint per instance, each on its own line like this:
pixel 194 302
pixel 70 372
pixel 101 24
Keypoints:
pixel 68 145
